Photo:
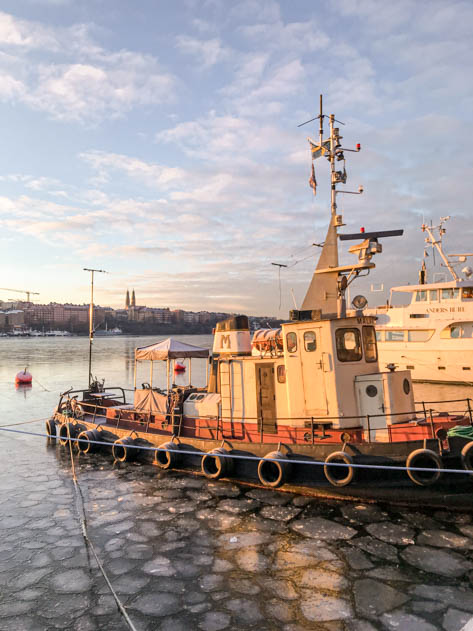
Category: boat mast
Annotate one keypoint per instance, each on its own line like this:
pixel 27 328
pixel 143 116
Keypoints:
pixel 437 244
pixel 91 316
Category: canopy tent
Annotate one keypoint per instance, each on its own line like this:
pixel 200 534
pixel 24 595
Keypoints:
pixel 170 349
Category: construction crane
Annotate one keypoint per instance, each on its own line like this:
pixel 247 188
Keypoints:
pixel 22 291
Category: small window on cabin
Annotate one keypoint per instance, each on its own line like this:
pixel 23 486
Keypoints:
pixel 417 335
pixel 455 331
pixel 199 397
pixel 421 296
pixel 369 342
pixel 380 336
pixel 467 293
pixel 433 294
pixel 281 374
pixel 394 336
pixel 291 342
pixel 309 341
pixel 450 294
pixel 348 342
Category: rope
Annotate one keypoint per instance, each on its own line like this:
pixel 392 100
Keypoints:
pixel 83 521
pixel 256 458
pixel 35 420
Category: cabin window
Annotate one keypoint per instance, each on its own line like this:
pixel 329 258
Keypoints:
pixel 348 342
pixel 419 335
pixel 281 374
pixel 455 331
pixel 449 294
pixel 467 293
pixel 421 296
pixel 369 342
pixel 394 336
pixel 309 341
pixel 291 342
pixel 433 294
pixel 380 336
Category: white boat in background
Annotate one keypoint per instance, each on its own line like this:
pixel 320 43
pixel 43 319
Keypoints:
pixel 431 335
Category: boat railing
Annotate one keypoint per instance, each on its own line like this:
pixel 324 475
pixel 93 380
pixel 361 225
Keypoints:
pixel 305 429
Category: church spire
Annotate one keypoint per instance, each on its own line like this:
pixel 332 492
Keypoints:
pixel 127 299
pixel 133 299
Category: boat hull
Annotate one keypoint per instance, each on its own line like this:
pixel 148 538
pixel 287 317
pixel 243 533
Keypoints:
pixel 379 482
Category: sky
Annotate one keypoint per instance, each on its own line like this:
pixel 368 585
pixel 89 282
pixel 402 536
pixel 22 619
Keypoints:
pixel 159 141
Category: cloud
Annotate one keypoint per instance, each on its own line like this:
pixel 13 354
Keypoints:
pixel 209 52
pixel 94 84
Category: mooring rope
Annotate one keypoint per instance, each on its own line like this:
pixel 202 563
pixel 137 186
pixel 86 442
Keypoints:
pixel 83 521
pixel 248 457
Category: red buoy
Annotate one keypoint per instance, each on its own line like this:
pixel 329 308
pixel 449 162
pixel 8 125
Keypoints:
pixel 179 368
pixel 23 377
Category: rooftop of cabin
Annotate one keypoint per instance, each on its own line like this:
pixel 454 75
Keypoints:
pixel 442 285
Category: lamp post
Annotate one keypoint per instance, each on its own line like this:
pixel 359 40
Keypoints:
pixel 91 316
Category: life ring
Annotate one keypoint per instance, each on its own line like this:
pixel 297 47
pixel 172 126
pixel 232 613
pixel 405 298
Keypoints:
pixel 166 456
pixel 274 469
pixel 216 464
pixel 123 449
pixel 333 474
pixel 51 429
pixel 86 441
pixel 68 431
pixel 428 459
pixel 467 456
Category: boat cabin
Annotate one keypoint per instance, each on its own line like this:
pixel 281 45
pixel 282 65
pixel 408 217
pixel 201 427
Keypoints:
pixel 319 369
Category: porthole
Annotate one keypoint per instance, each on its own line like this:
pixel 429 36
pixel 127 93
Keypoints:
pixel 406 386
pixel 371 390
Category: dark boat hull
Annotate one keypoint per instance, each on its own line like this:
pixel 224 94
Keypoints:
pixel 378 482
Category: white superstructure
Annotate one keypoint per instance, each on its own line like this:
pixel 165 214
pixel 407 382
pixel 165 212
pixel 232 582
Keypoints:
pixel 432 334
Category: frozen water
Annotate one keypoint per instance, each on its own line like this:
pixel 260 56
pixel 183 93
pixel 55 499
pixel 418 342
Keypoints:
pixel 246 611
pixel 251 560
pixel 401 620
pixel 156 604
pixel 159 566
pixel 399 534
pixel 447 594
pixel 376 548
pixel 237 506
pixel 72 581
pixel 438 562
pixel 280 513
pixel 232 541
pixel 444 539
pixel 454 620
pixel 321 579
pixel 374 597
pixel 320 528
pixel 214 621
pixel 319 607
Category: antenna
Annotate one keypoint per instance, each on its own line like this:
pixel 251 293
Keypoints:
pixel 279 265
pixel 91 315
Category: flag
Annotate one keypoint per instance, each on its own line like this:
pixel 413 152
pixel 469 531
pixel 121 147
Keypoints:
pixel 319 150
pixel 313 181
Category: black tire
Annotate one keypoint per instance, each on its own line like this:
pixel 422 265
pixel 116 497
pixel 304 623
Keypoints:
pixel 123 449
pixel 84 439
pixel 51 430
pixel 166 456
pixel 274 469
pixel 216 464
pixel 467 456
pixel 68 431
pixel 335 475
pixel 428 459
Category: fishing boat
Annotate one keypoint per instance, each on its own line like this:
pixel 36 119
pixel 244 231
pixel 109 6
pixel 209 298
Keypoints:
pixel 431 334
pixel 302 407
